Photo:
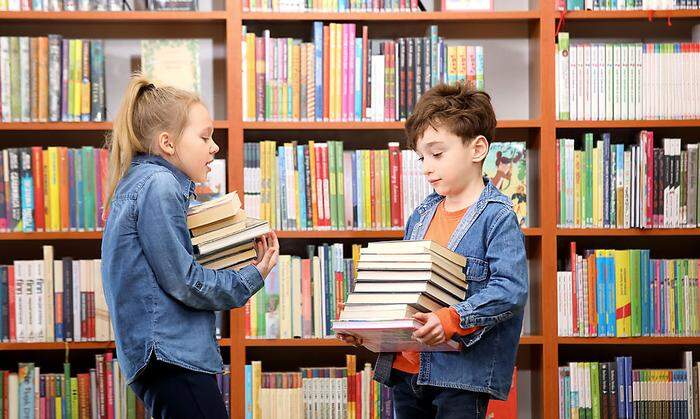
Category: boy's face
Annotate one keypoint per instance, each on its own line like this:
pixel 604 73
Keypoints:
pixel 449 164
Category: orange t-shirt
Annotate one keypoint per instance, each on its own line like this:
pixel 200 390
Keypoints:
pixel 441 227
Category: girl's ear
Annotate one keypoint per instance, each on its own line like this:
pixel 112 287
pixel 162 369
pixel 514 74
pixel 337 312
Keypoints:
pixel 480 146
pixel 166 146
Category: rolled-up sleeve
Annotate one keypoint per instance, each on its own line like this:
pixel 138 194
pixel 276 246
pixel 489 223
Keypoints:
pixel 162 229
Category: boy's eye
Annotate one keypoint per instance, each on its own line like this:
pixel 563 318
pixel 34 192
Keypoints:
pixel 420 158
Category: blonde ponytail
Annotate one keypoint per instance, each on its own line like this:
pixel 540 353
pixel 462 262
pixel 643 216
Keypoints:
pixel 145 111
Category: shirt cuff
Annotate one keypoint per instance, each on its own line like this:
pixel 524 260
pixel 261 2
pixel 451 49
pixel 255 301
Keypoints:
pixel 252 278
pixel 450 320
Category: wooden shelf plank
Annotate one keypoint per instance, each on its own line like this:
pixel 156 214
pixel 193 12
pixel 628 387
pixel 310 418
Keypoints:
pixel 282 234
pixel 514 16
pixel 119 17
pixel 29 346
pixel 72 126
pixel 651 123
pixel 630 14
pixel 333 342
pixel 627 232
pixel 647 340
pixel 365 125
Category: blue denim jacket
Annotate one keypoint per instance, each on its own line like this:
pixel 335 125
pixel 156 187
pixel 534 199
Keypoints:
pixel 161 301
pixel 491 239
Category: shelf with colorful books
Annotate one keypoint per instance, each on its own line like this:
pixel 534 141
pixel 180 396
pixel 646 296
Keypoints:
pixel 635 124
pixel 58 235
pixel 73 126
pixel 503 16
pixel 625 232
pixel 643 340
pixel 362 125
pixel 250 342
pixel 629 14
pixel 55 346
pixel 120 16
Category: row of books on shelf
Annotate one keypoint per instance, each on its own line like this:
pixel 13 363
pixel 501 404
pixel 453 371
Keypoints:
pixel 344 76
pixel 53 300
pixel 52 79
pixel 627 4
pixel 331 6
pixel 96 5
pixel 52 189
pixel 101 392
pixel 627 293
pixel 616 390
pixel 333 392
pixel 320 185
pixel 621 81
pixel 614 185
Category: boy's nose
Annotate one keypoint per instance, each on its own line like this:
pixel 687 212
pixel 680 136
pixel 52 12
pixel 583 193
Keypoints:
pixel 215 149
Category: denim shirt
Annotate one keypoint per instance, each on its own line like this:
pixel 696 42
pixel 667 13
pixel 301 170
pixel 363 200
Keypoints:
pixel 496 272
pixel 161 301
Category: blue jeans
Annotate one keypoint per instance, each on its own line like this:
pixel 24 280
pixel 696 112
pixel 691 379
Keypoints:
pixel 415 401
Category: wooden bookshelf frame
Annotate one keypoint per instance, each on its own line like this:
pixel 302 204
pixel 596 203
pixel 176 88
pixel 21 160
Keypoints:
pixel 542 22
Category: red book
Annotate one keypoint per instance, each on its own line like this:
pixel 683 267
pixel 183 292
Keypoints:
pixel 91 315
pixel 326 71
pixel 372 192
pixel 260 78
pixel 246 311
pixel 339 291
pixel 109 385
pixel 592 310
pixel 395 184
pixel 364 72
pixel 387 79
pixel 344 92
pixel 326 186
pixel 84 395
pixel 11 302
pixel 508 409
pixel 358 396
pixel 650 179
pixel 574 294
pixel 561 221
pixel 64 192
pixel 38 177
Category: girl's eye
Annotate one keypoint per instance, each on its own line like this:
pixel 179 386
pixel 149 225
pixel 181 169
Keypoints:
pixel 206 139
pixel 437 155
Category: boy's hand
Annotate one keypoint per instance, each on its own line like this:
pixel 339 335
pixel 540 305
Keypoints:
pixel 267 248
pixel 350 339
pixel 431 333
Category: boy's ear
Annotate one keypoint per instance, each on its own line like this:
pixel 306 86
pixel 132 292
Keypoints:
pixel 480 145
pixel 166 146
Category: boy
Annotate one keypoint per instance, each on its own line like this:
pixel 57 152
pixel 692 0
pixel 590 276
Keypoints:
pixel 450 129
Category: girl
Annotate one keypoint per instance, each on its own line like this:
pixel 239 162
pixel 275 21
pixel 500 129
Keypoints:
pixel 161 300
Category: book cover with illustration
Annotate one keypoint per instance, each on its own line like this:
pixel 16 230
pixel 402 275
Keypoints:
pixel 214 187
pixel 506 166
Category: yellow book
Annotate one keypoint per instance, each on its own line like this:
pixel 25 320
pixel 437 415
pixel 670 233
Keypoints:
pixel 77 77
pixel 623 307
pixel 386 197
pixel 265 151
pixel 368 194
pixel 274 180
pixel 296 88
pixel 381 192
pixel 256 368
pixel 54 190
pixel 596 197
pixel 451 64
pixel 250 74
pixel 312 180
pixel 462 62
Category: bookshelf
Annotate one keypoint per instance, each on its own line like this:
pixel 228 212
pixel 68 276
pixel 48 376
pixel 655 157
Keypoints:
pixel 535 121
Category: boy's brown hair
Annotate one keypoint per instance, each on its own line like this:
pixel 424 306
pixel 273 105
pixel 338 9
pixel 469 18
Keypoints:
pixel 458 108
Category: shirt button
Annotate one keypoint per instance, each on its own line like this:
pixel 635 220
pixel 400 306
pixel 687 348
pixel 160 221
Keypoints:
pixel 198 285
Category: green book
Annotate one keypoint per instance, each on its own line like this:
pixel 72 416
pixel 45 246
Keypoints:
pixel 386 189
pixel 595 391
pixel 332 185
pixel 340 182
pixel 67 409
pixel 130 403
pixel 74 397
pixel 588 184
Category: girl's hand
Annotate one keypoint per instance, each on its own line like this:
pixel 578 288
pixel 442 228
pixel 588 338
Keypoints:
pixel 431 333
pixel 267 248
pixel 350 339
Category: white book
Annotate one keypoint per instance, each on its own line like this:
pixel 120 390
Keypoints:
pixel 39 302
pixel 581 82
pixel 632 81
pixel 678 182
pixel 624 79
pixel 20 308
pixel 601 81
pixel 609 82
pixel 646 76
pixel 587 79
pixel 638 79
pixel 573 83
pixel 5 96
pixel 595 69
pixel 617 82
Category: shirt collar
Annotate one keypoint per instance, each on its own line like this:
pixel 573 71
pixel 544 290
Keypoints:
pixel 184 181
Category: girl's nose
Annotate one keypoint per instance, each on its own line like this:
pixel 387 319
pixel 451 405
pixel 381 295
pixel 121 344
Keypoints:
pixel 215 148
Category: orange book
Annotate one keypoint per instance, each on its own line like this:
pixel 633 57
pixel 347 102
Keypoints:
pixel 592 310
pixel 508 409
pixel 38 177
pixel 64 188
pixel 43 79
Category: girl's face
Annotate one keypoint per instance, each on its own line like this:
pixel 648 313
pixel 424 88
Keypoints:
pixel 196 149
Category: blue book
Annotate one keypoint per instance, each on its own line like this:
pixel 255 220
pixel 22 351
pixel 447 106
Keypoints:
pixel 600 295
pixel 302 186
pixel 26 390
pixel 629 409
pixel 26 189
pixel 318 69
pixel 606 179
pixel 248 372
pixel 358 79
pixel 621 386
pixel 610 303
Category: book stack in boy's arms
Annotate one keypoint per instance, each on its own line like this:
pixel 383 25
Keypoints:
pixel 395 280
pixel 222 235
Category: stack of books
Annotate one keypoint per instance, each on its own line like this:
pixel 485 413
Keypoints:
pixel 395 280
pixel 222 235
